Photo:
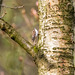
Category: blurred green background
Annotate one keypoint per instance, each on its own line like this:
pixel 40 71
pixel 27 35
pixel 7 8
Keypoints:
pixel 13 59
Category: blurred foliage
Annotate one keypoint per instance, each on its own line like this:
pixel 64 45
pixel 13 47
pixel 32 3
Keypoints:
pixel 13 59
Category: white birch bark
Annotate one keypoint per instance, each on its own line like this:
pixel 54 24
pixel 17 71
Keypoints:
pixel 55 37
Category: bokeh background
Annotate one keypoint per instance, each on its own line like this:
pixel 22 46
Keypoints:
pixel 13 59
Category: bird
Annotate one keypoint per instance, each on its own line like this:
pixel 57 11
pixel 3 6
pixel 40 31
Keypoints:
pixel 34 35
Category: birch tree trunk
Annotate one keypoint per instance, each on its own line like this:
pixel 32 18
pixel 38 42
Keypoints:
pixel 56 37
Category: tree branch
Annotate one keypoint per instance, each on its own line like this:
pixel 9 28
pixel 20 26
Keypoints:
pixel 13 34
pixel 0 4
pixel 16 7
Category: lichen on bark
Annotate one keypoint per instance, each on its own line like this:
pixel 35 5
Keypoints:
pixel 56 36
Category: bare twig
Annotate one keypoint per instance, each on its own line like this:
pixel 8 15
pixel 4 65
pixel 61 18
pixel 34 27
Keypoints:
pixel 26 18
pixel 16 7
pixel 3 15
pixel 0 4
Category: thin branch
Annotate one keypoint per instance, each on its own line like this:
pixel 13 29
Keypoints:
pixel 13 34
pixel 3 15
pixel 25 17
pixel 0 4
pixel 16 7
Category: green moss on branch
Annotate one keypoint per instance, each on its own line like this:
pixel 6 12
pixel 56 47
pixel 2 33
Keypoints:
pixel 13 34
